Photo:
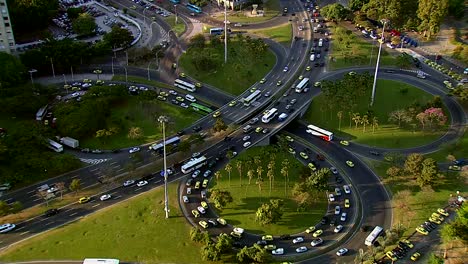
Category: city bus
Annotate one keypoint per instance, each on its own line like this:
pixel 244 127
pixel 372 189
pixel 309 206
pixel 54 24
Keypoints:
pixel 184 85
pixel 194 164
pixel 216 31
pixel 194 8
pixel 57 147
pixel 370 239
pixel 41 113
pixel 100 261
pixel 201 108
pixel 252 97
pixel 322 133
pixel 159 146
pixel 266 118
pixel 303 84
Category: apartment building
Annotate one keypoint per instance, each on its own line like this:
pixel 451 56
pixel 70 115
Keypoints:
pixel 7 39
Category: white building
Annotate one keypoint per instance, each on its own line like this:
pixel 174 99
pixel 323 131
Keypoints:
pixel 7 39
pixel 231 3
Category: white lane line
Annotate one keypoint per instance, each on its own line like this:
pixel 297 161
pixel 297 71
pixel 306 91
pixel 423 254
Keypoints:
pixel 93 170
pixel 20 228
pixel 121 169
pixel 33 191
pixel 117 197
pixel 24 233
pixel 74 176
pixel 137 189
pixel 68 210
pixel 36 199
pixel 96 205
pixel 115 167
pixel 112 163
pixel 50 223
pixel 73 214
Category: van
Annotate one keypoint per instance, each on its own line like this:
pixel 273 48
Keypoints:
pixel 190 98
pixel 247 128
pixel 315 29
pixel 282 117
pixel 312 57
pixel 320 42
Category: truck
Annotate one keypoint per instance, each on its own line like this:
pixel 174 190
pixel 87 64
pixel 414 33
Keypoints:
pixel 71 142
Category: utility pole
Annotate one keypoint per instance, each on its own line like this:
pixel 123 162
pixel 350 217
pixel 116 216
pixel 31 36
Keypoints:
pixel 384 21
pixel 225 32
pixel 163 120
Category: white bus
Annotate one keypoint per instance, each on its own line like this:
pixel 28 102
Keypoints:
pixel 54 145
pixel 373 236
pixel 266 118
pixel 41 113
pixel 322 133
pixel 100 261
pixel 194 164
pixel 303 84
pixel 159 146
pixel 184 85
pixel 252 97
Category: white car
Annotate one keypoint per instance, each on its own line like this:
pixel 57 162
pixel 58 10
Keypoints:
pixel 172 92
pixel 133 150
pixel 298 240
pixel 7 228
pixel 203 194
pixel 238 230
pixel 184 105
pixel 128 183
pixel 293 101
pixel 207 173
pixel 246 144
pixel 301 249
pixel 337 191
pixel 196 154
pixel 316 242
pixel 246 138
pixel 278 251
pixel 334 170
pixel 286 68
pixel 142 183
pixel 201 210
pixel 346 188
pixel 338 228
pixel 196 173
pixel 337 210
pixel 342 251
pixel 331 197
pixel 185 198
pixel 343 217
pixel 189 190
pixel 52 189
pixel 105 197
pixel 267 94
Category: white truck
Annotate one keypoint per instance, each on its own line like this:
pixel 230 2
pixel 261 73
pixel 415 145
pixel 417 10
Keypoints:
pixel 71 142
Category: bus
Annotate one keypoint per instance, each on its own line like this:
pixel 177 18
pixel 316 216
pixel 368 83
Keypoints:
pixel 184 85
pixel 201 108
pixel 322 133
pixel 174 1
pixel 303 84
pixel 54 145
pixel 216 31
pixel 194 8
pixel 194 164
pixel 100 261
pixel 370 239
pixel 159 146
pixel 252 97
pixel 266 118
pixel 41 113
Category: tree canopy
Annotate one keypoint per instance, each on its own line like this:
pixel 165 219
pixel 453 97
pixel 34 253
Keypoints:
pixel 12 71
pixel 27 15
pixel 84 24
pixel 118 37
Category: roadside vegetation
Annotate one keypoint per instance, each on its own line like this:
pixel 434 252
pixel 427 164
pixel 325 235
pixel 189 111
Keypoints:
pixel 402 116
pixel 178 28
pixel 281 34
pixel 457 149
pixel 271 9
pixel 250 60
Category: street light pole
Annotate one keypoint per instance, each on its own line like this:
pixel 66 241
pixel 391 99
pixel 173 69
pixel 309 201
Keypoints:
pixel 52 64
pixel 112 66
pixel 175 11
pixel 163 120
pixel 225 32
pixel 64 79
pixel 71 68
pixel 31 75
pixel 149 79
pixel 384 21
pixel 126 76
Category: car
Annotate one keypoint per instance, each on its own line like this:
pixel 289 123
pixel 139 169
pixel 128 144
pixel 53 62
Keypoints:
pixel 293 101
pixel 278 251
pixel 217 114
pixel 267 94
pixel 310 229
pixel 196 154
pixel 308 68
pixel 337 210
pixel 317 84
pixel 316 242
pixel 324 220
pixel 172 92
pixel 435 220
pixel 162 93
pixel 253 120
pixel 338 228
pixel 267 237
pixel 265 130
pixel 51 212
pixel 442 212
pixel 232 103
pixel 261 242
pixel 197 185
pixel 247 144
pixel 375 153
pixel 205 183
pixel 201 209
pixel 285 69
pixel 204 204
pixel 437 216
pixel 189 190
pixel 263 80
pixel 196 173
pixel 198 85
pixel 298 240
pixel 142 183
pixel 197 128
pixel 344 142
pixel 180 98
pixel 269 247
pixel 203 224
pixel 285 237
pixel 195 213
pixel 341 252
pixel 391 256
pixel 352 73
pixel 188 182
pixel 203 194
pixel 421 230
pixel 301 249
pixel 317 233
pixel 311 166
pixel 221 221
pixel 331 197
pixel 52 189
pixel 337 191
pixel 236 235
pixel 128 183
pixel 161 98
pixel 346 188
pixel 334 170
pixel 346 203
pixel 258 129
pixel 182 75
pixel 343 217
pixel 185 199
pixel 84 200
pixel 454 167
pixel 133 150
pixel 303 155
pixel 415 256
pixel 253 89
pixel 105 197
pixel 289 138
pixel 338 179
pixel 350 163
pixel 291 150
pixel 407 243
pixel 207 174
pixel 278 83
pixel 7 227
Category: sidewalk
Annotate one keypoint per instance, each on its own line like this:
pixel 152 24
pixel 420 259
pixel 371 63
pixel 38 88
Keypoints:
pixel 68 78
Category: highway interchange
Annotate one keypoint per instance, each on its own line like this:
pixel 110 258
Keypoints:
pixel 371 207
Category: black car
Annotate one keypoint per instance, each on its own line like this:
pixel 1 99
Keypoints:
pixel 316 64
pixel 227 138
pixel 211 164
pixel 285 237
pixel 197 128
pixel 322 64
pixel 373 152
pixel 237 244
pixel 403 246
pixel 261 243
pixel 324 220
pixel 51 212
pixel 180 133
pixel 338 179
pixel 333 222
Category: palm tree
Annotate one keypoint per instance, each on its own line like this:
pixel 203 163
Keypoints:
pixel 257 160
pixel 340 116
pixel 250 174
pixel 284 172
pixel 361 256
pixel 356 119
pixel 259 172
pixel 228 168
pixel 270 176
pixel 375 123
pixel 239 169
pixel 350 114
pixel 217 175
pixel 364 122
pixel 248 164
pixel 271 166
pixel 285 164
pixel 259 184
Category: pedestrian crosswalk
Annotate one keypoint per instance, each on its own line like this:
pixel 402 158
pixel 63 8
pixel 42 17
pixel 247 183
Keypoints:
pixel 94 161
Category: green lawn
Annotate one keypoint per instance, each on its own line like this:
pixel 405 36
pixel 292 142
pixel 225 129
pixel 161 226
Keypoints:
pixel 137 113
pixel 237 75
pixel 133 231
pixel 281 34
pixel 350 50
pixel 178 28
pixel 388 98
pixel 247 198
pixel 459 149
pixel 271 8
